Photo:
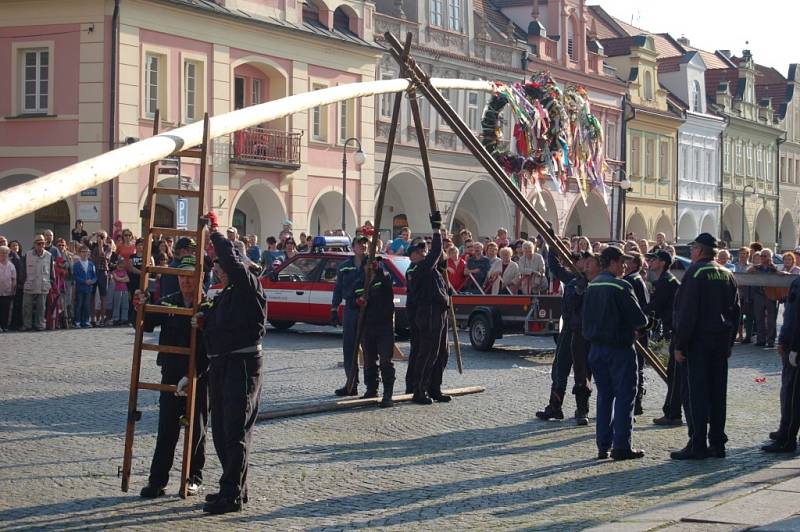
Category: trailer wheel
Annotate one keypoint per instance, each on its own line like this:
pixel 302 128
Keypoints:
pixel 480 333
pixel 281 325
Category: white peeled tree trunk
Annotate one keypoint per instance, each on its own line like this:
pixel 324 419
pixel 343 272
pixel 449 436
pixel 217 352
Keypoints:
pixel 33 195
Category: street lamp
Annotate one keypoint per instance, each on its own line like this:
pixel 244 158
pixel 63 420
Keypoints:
pixel 744 212
pixel 625 186
pixel 359 159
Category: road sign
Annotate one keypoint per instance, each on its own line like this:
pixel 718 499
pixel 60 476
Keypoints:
pixel 182 212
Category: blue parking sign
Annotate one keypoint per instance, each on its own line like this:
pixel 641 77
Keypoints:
pixel 182 210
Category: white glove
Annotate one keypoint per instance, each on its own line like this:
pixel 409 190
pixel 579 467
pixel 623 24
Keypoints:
pixel 197 320
pixel 182 386
pixel 793 358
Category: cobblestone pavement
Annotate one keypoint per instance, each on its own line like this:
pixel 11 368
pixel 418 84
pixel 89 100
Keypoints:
pixel 482 461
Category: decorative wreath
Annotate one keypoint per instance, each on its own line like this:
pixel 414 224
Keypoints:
pixel 555 134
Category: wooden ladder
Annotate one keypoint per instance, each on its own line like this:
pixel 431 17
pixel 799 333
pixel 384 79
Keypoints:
pixel 139 345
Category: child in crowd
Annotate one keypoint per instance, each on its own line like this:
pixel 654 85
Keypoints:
pixel 85 277
pixel 119 299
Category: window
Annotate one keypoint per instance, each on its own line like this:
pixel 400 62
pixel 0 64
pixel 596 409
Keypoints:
pixel 153 83
pixel 783 169
pixel 36 81
pixel 329 270
pixel 472 111
pixel 192 90
pixel 697 98
pixel 663 160
pixel 726 160
pixel 636 159
pixel 437 16
pixel 319 119
pixel 650 158
pixel 698 171
pixel 454 14
pixel 571 52
pixel 238 93
pixel 648 86
pixel 386 101
pixel 739 160
pixel 256 94
pixel 749 160
pixel 760 162
pixel 346 119
pixel 299 271
pixel 611 140
pixel 709 168
pixel 685 163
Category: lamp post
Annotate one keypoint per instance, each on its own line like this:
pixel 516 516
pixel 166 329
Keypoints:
pixel 359 159
pixel 625 186
pixel 744 212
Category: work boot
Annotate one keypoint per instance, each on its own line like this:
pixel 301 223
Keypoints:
pixel 780 447
pixel 637 407
pixel 626 454
pixel 387 375
pixel 223 505
pixel 550 412
pixel 151 492
pixel 421 398
pixel 777 435
pixel 439 397
pixel 582 394
pixel 211 497
pixel 716 451
pixel 370 393
pixel 602 454
pixel 665 421
pixel 581 417
pixel 687 453
pixel 371 381
pixel 342 392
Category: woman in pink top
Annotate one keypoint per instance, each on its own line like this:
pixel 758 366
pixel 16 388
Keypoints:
pixel 8 287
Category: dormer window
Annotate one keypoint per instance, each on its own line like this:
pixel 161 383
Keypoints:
pixel 697 97
pixel 648 86
pixel 447 14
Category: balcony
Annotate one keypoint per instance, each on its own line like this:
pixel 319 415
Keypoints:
pixel 271 148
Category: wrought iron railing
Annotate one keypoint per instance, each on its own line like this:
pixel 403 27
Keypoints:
pixel 265 146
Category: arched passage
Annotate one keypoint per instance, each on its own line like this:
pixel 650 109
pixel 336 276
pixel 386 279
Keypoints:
pixel 687 227
pixel 764 227
pixel 57 216
pixel 481 208
pixel 590 220
pixel 258 209
pixel 788 232
pixel 709 225
pixel 258 80
pixel 664 225
pixel 637 226
pixel 545 206
pixel 732 226
pixel 326 213
pixel 405 204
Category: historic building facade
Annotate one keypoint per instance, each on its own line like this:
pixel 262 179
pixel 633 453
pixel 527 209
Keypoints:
pixel 505 41
pixel 789 112
pixel 85 78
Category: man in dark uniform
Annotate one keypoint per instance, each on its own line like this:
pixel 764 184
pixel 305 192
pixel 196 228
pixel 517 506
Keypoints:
pixel 233 323
pixel 611 319
pixel 349 278
pixel 633 274
pixel 430 301
pixel 177 331
pixel 706 320
pixel 785 438
pixel 377 341
pixel 562 363
pixel 661 306
pixel 411 308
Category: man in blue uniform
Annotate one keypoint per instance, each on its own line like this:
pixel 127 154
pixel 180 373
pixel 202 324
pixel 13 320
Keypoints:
pixel 633 274
pixel 611 319
pixel 349 278
pixel 706 320
pixel 378 337
pixel 661 306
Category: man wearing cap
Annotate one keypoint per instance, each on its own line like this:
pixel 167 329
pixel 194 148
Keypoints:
pixel 233 324
pixel 349 278
pixel 661 306
pixel 177 331
pixel 36 277
pixel 633 274
pixel 233 234
pixel 184 247
pixel 611 319
pixel 706 320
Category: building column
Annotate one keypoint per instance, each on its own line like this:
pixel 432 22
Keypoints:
pixel 127 189
pixel 297 181
pixel 221 194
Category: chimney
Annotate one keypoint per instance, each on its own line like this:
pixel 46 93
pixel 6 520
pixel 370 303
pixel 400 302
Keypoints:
pixel 683 41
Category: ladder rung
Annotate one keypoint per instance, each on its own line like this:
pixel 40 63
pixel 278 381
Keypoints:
pixel 158 387
pixel 166 270
pixel 195 153
pixel 173 349
pixel 177 192
pixel 161 309
pixel 171 231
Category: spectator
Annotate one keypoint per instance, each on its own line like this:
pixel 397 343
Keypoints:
pixel 102 251
pixel 643 246
pixel 661 242
pixel 790 264
pixel 78 232
pixel 253 251
pixel 478 267
pixel 630 246
pixel 49 246
pixel 117 230
pixel 120 296
pixel 134 265
pixel 596 247
pixel 455 269
pixel 38 278
pixel 583 245
pixel 289 248
pixel 233 234
pixel 303 244
pixel 85 278
pixel 724 258
pixel 491 253
pixel 165 249
pixel 271 254
pixel 128 246
pixel 765 309
pixel 502 238
pixel 504 274
pixel 16 259
pixel 66 285
pixel 8 287
pixel 533 278
pixel 286 231
pixel 399 246
pixel 743 263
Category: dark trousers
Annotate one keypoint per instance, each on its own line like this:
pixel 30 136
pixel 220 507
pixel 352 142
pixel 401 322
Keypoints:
pixel 378 346
pixel 614 370
pixel 82 309
pixel 673 400
pixel 437 373
pixel 765 314
pixel 705 392
pixel 582 373
pixel 349 331
pixel 412 356
pixel 792 409
pixel 747 317
pixel 5 311
pixel 235 389
pixel 787 376
pixel 430 321
pixel 562 365
pixel 170 410
pixel 16 311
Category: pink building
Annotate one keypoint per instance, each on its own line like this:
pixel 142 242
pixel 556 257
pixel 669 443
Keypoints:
pixel 89 75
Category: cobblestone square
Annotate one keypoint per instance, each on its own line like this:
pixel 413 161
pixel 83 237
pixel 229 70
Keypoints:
pixel 482 461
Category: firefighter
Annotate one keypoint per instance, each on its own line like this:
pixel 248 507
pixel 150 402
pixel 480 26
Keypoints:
pixel 633 267
pixel 707 316
pixel 377 341
pixel 430 302
pixel 177 331
pixel 661 306
pixel 611 320
pixel 349 278
pixel 233 324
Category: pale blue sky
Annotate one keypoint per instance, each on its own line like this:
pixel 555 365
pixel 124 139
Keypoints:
pixel 771 26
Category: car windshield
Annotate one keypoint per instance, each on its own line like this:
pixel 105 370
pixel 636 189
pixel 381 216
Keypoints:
pixel 401 263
